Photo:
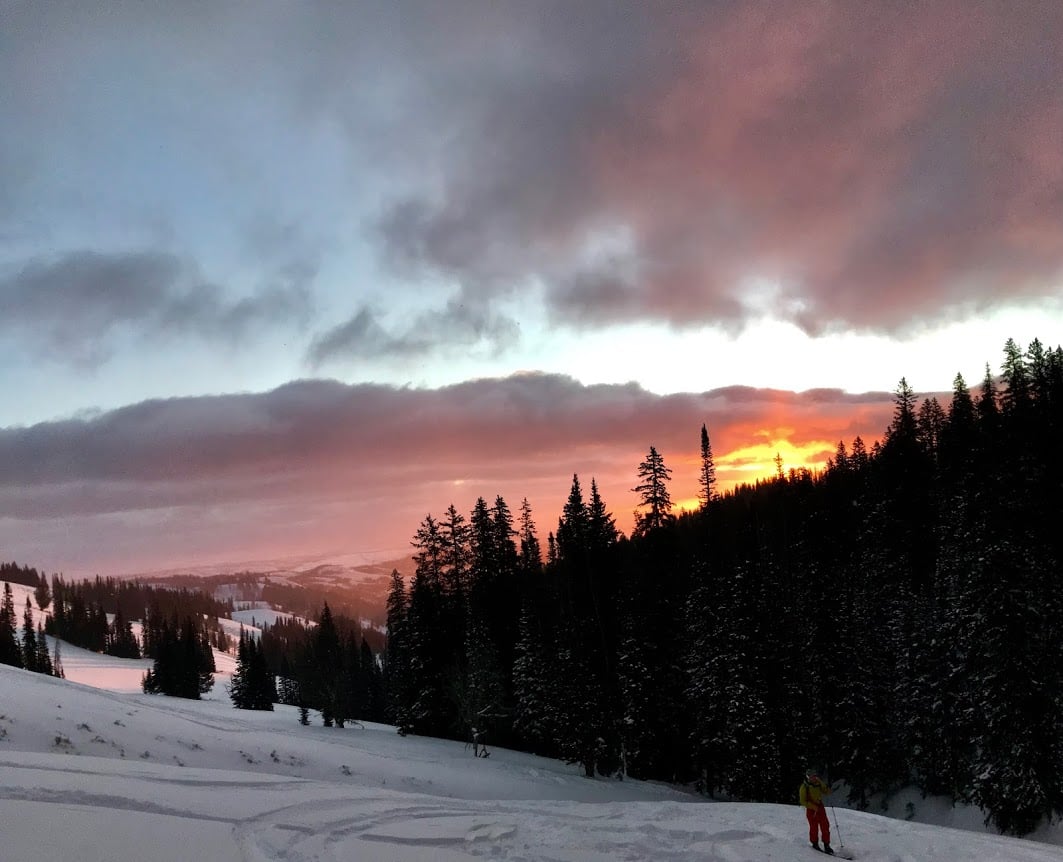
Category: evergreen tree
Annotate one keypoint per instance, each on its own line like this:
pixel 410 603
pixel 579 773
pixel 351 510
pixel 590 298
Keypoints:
pixel 328 676
pixel 707 475
pixel 481 693
pixel 253 684
pixel 29 639
pixel 653 493
pixel 581 724
pixel 10 651
pixel 184 665
pixel 454 537
pixel 121 641
pixel 238 687
pixel 397 657
pixel 43 594
pixel 601 526
pixel 535 719
pixel 434 637
pixel 573 526
pixel 44 658
pixel 1017 687
pixel 531 557
pixel 371 685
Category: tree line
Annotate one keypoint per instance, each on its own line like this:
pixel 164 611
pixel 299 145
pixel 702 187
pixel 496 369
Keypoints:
pixel 30 651
pixel 328 666
pixel 895 619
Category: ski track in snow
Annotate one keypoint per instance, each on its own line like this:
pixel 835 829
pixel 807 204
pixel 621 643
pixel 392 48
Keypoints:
pixel 254 819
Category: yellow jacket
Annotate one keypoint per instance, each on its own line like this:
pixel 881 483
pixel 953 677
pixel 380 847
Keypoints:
pixel 811 795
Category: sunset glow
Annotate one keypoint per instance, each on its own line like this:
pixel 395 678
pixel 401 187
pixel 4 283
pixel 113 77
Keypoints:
pixel 282 281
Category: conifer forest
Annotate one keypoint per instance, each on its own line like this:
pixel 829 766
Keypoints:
pixel 894 619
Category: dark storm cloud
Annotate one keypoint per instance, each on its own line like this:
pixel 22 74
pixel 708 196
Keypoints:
pixel 76 304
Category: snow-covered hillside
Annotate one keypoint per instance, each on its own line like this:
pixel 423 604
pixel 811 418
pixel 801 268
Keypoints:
pixel 91 769
pixel 106 776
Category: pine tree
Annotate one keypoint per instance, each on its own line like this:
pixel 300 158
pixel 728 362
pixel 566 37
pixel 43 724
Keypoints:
pixel 372 685
pixel 1017 687
pixel 238 687
pixel 328 671
pixel 481 694
pixel 531 556
pixel 653 493
pixel 581 725
pixel 43 594
pixel 707 476
pixel 602 533
pixel 535 719
pixel 184 665
pixel 253 685
pixel 44 658
pixel 572 527
pixel 29 639
pixel 121 642
pixel 10 651
pixel 453 538
pixel 397 657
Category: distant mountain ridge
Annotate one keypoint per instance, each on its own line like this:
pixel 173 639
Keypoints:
pixel 351 566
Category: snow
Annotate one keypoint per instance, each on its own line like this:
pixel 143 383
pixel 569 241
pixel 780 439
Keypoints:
pixel 261 614
pixel 93 770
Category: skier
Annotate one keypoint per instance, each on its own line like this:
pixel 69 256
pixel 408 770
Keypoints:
pixel 811 797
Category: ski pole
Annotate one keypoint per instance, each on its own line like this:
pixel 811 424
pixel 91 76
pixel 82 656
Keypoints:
pixel 836 829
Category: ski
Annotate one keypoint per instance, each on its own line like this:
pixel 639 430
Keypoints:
pixel 839 853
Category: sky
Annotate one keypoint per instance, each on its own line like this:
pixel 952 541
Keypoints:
pixel 133 776
pixel 284 279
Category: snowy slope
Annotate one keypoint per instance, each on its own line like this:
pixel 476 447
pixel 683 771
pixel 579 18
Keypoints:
pixel 106 776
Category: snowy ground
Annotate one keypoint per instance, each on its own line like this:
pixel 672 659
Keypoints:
pixel 92 770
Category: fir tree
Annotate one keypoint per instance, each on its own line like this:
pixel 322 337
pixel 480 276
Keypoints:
pixel 328 678
pixel 601 526
pixel 29 639
pixel 572 527
pixel 253 685
pixel 653 493
pixel 535 719
pixel 371 684
pixel 43 594
pixel 707 475
pixel 10 651
pixel 184 665
pixel 531 557
pixel 397 657
pixel 44 658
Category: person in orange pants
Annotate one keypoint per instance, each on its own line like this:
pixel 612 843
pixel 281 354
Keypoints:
pixel 811 797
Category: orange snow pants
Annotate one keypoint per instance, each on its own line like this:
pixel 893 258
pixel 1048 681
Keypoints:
pixel 817 823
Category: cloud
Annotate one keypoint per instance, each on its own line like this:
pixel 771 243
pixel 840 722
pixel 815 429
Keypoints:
pixel 455 327
pixel 828 164
pixel 833 166
pixel 77 304
pixel 317 463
